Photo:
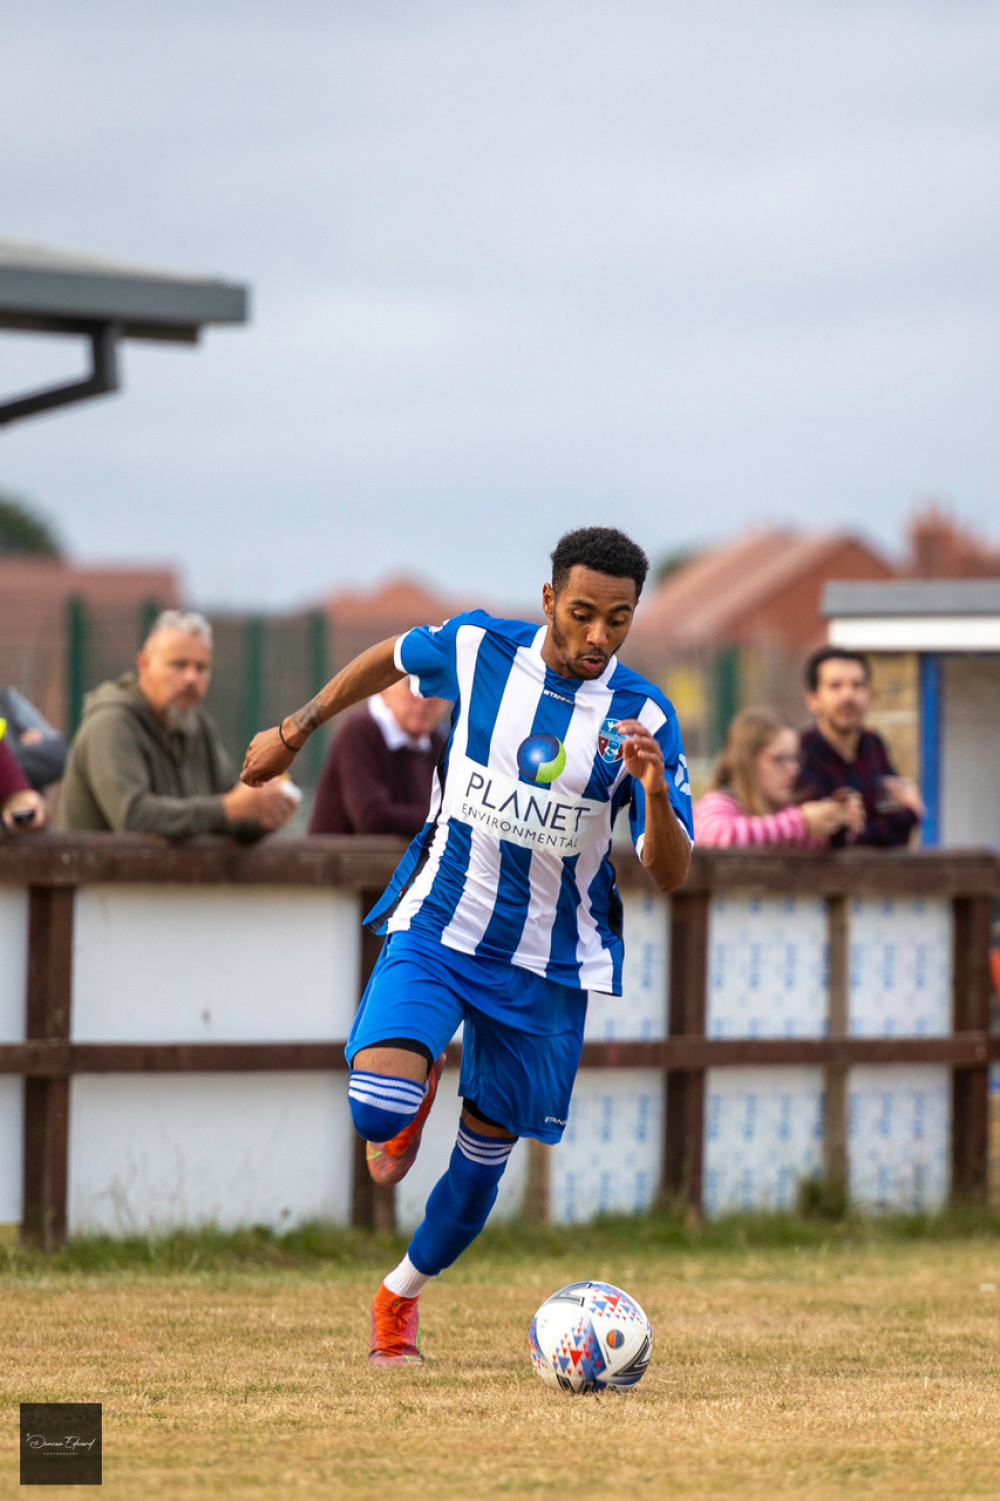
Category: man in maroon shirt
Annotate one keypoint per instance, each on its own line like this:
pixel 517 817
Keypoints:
pixel 840 755
pixel 377 777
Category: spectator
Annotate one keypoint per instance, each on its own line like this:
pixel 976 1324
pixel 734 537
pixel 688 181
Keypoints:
pixel 21 807
pixel 840 754
pixel 752 791
pixel 39 749
pixel 377 777
pixel 148 758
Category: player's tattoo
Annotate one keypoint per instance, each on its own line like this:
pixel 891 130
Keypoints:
pixel 310 718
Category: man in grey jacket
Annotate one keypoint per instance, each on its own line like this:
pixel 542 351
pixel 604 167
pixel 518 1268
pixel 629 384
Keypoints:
pixel 147 757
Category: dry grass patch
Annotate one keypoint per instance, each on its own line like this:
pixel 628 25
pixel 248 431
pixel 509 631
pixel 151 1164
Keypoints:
pixel 825 1372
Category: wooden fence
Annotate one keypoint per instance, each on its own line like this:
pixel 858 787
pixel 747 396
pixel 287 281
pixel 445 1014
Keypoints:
pixel 54 868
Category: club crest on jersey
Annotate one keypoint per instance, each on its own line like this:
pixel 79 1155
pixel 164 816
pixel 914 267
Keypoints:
pixel 609 741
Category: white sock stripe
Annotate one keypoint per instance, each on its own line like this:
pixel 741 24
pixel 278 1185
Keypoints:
pixel 503 1143
pixel 374 1091
pixel 366 1091
pixel 388 1081
pixel 488 1159
pixel 489 1151
pixel 392 1107
pixel 399 1096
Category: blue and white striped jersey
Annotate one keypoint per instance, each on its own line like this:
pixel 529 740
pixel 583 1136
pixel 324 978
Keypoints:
pixel 514 860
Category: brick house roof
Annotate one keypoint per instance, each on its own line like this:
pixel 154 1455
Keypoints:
pixel 766 585
pixel 402 599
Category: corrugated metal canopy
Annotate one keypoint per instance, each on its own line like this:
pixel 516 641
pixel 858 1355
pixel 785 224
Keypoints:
pixel 60 292
pixel 913 597
pixel 57 291
pixel 915 615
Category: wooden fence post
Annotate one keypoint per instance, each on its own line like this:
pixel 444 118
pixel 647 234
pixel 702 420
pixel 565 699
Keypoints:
pixel 684 1148
pixel 835 1161
pixel 971 1013
pixel 46 1098
pixel 373 1205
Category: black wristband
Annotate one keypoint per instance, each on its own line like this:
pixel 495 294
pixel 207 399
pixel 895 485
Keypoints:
pixel 293 748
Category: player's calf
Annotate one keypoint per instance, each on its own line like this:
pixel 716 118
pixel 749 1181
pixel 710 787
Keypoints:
pixel 460 1202
pixel 456 1211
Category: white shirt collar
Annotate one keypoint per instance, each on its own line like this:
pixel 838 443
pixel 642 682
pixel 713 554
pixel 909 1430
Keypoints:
pixel 394 737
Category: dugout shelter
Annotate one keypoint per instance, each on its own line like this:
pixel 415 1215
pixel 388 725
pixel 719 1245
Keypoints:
pixel 941 638
pixel 56 292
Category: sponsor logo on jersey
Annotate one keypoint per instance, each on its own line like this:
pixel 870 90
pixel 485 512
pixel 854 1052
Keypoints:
pixel 541 758
pixel 609 741
pixel 534 817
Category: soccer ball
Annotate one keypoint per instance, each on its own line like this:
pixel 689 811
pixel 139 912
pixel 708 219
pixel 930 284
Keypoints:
pixel 590 1336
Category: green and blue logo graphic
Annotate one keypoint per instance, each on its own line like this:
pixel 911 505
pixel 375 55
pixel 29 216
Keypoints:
pixel 541 758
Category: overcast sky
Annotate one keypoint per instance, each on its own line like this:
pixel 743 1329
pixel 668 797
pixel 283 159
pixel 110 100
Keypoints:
pixel 515 267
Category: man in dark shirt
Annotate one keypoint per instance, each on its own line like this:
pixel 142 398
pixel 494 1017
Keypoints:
pixel 377 777
pixel 839 754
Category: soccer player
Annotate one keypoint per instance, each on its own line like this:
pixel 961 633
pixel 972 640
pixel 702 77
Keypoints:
pixel 503 913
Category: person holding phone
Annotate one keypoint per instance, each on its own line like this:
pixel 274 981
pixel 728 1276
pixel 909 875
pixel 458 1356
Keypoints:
pixel 21 807
pixel 751 801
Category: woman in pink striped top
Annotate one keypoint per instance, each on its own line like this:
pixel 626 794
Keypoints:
pixel 751 797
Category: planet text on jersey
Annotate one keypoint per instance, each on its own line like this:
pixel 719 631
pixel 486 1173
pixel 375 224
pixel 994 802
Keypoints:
pixel 533 817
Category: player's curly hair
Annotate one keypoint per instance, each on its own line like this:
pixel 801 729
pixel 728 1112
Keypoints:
pixel 602 548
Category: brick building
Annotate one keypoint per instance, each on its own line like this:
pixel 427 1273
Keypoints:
pixel 732 626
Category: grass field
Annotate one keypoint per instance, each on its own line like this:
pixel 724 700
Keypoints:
pixel 791 1359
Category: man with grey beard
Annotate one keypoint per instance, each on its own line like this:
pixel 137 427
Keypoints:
pixel 148 758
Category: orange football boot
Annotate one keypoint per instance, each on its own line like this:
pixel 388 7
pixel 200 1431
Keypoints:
pixel 395 1330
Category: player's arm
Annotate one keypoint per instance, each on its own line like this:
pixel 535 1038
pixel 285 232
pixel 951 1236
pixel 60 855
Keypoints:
pixel 273 751
pixel 666 847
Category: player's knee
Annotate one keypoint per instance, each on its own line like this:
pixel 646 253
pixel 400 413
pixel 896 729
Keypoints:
pixel 381 1105
pixel 477 1165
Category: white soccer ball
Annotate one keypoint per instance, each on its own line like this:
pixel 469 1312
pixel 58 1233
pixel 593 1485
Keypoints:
pixel 590 1336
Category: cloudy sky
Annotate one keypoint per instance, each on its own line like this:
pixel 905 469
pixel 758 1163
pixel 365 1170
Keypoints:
pixel 516 265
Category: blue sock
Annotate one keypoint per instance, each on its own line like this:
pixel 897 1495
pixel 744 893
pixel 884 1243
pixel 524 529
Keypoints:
pixel 460 1202
pixel 382 1105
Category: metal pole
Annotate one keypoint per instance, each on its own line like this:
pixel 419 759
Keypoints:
pixel 727 690
pixel 930 746
pixel 76 661
pixel 253 678
pixel 318 674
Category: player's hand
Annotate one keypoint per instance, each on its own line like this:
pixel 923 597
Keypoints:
pixel 266 757
pixel 642 755
pixel 270 806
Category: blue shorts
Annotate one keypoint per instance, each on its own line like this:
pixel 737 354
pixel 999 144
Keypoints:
pixel 522 1035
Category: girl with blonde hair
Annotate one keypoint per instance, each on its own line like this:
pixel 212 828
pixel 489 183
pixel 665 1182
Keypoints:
pixel 753 786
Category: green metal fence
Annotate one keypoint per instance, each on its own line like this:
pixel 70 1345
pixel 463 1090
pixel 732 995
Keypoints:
pixel 265 666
